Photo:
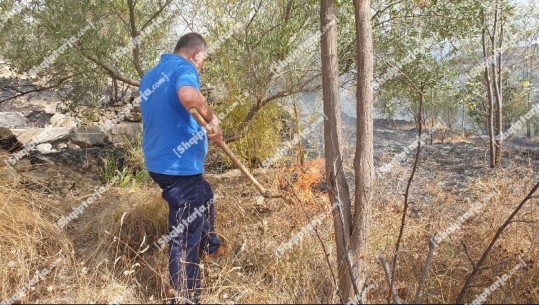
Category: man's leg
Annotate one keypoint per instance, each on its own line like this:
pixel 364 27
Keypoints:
pixel 184 261
pixel 185 229
pixel 210 241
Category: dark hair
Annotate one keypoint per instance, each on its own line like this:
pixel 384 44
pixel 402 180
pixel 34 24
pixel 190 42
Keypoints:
pixel 190 41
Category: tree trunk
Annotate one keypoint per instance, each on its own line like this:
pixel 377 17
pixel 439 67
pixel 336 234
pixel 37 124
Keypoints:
pixel 499 95
pixel 528 124
pixel 363 162
pixel 338 187
pixel 530 71
pixel 134 33
pixel 301 152
pixel 498 125
pixel 490 119
pixel 431 117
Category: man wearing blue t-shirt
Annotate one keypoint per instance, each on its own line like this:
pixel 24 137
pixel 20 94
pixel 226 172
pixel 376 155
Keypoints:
pixel 175 148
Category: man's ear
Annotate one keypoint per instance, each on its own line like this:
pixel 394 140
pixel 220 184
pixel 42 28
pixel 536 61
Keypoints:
pixel 199 56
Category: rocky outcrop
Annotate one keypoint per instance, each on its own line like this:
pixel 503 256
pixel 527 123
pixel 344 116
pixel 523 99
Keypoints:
pixel 37 136
pixel 13 120
pixel 120 133
pixel 88 136
pixel 60 119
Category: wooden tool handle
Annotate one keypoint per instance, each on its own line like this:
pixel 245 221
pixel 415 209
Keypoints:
pixel 229 153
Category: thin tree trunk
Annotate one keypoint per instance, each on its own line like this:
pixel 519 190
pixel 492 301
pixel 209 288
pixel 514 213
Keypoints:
pixel 363 162
pixel 530 71
pixel 490 119
pixel 494 83
pixel 301 157
pixel 498 125
pixel 431 116
pixel 338 187
pixel 407 193
pixel 134 33
pixel 528 124
pixel 499 96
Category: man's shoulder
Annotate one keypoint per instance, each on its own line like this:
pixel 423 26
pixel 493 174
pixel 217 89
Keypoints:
pixel 184 67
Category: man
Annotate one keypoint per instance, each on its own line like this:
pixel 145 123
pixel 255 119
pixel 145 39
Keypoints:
pixel 175 148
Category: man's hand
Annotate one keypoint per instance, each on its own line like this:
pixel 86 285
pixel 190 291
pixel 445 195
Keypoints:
pixel 216 134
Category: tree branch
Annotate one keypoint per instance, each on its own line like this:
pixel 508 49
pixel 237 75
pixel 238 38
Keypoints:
pixel 406 195
pixel 424 275
pixel 326 253
pixel 260 103
pixel 134 33
pixel 389 278
pixel 155 15
pixel 36 89
pixel 113 72
pixel 491 245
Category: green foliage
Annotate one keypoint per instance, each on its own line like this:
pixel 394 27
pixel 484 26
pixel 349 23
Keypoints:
pixel 261 51
pixel 41 29
pixel 129 169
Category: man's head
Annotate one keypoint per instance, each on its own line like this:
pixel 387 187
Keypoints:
pixel 192 47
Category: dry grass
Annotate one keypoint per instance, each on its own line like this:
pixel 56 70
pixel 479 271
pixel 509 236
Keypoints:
pixel 110 256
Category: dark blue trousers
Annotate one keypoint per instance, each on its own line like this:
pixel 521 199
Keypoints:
pixel 191 226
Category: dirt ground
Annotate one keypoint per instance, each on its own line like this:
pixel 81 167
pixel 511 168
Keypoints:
pixel 110 255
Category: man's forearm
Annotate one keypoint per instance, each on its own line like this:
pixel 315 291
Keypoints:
pixel 192 98
pixel 204 109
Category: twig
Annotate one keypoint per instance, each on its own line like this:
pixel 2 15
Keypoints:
pixel 424 275
pixel 524 221
pixel 467 254
pixel 326 254
pixel 387 271
pixel 509 293
pixel 406 195
pixel 491 245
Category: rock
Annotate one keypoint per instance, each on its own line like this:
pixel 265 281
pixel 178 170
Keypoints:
pixel 50 108
pixel 57 118
pixel 42 119
pixel 40 135
pixel 126 100
pixel 62 146
pixel 13 120
pixel 8 141
pixel 136 108
pixel 27 113
pixel 72 146
pixel 133 117
pixel 63 120
pixel 88 136
pixel 125 131
pixel 45 148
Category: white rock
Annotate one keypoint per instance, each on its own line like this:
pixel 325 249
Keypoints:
pixel 57 118
pixel 45 148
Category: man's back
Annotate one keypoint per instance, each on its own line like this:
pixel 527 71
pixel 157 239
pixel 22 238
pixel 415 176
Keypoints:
pixel 173 142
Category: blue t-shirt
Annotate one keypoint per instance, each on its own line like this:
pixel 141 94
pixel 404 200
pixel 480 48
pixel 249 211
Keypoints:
pixel 172 141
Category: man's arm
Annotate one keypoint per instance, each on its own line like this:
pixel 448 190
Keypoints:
pixel 192 98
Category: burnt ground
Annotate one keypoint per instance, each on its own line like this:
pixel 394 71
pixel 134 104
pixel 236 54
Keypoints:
pixel 447 165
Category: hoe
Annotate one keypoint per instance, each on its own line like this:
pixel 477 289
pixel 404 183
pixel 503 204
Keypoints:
pixel 234 159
